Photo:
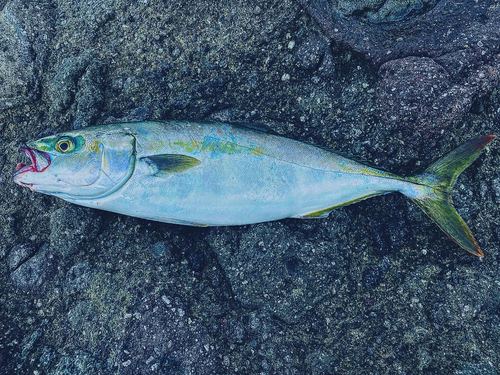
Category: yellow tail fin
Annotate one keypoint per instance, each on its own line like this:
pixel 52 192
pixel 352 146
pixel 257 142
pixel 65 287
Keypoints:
pixel 440 177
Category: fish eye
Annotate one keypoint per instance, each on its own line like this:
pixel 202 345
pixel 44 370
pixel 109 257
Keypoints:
pixel 65 145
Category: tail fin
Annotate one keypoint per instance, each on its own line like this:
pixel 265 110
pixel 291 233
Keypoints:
pixel 440 177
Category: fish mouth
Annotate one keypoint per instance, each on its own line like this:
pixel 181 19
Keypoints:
pixel 40 161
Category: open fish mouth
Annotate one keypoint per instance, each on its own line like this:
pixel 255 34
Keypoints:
pixel 40 161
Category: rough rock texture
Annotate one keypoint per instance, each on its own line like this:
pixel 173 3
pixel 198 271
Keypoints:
pixel 26 31
pixel 374 288
pixel 417 38
pixel 284 275
pixel 71 227
pixel 31 274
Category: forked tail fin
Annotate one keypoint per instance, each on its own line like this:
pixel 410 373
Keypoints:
pixel 440 177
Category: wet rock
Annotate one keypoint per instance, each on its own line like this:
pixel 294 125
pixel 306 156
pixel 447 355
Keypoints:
pixel 310 52
pixel 72 226
pixel 476 369
pixel 79 277
pixel 19 254
pixel 24 42
pixel 77 362
pixel 372 277
pixel 279 270
pixel 31 274
pixel 89 96
pixel 429 29
pixel 408 86
pixel 432 33
pixel 65 84
pixel 189 350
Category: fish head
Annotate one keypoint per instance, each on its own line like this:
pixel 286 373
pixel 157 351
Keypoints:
pixel 85 164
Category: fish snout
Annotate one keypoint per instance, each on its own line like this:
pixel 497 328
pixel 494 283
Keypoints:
pixel 39 160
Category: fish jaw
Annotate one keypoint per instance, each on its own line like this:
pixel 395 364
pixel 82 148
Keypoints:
pixel 26 174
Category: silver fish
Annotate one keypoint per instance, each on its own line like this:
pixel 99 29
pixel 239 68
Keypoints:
pixel 208 174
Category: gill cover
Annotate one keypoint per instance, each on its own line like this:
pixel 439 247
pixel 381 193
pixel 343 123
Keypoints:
pixel 117 163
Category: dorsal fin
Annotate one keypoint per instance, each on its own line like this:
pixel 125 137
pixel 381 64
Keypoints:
pixel 170 163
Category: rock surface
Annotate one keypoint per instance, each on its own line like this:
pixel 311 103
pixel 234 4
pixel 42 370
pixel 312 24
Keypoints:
pixel 26 30
pixel 374 288
pixel 457 38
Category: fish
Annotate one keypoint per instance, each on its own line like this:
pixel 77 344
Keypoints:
pixel 222 174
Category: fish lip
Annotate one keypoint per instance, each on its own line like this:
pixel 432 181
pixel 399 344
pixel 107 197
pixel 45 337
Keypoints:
pixel 35 165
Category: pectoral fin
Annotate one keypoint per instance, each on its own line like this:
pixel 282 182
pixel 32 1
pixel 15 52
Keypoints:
pixel 169 163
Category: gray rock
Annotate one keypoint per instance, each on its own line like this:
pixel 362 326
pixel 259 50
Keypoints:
pixel 79 277
pixel 30 341
pixel 319 363
pixel 31 274
pixel 64 85
pixel 235 331
pixel 47 358
pixel 72 226
pixel 407 87
pixel 7 234
pixel 415 37
pixel 429 29
pixel 24 42
pixel 19 254
pixel 165 339
pixel 372 277
pixel 327 68
pixel 310 52
pixel 16 61
pixel 278 270
pixel 476 369
pixel 89 97
pixel 164 251
pixel 76 363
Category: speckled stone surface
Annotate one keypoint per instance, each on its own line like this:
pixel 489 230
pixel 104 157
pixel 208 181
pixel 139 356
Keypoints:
pixel 376 288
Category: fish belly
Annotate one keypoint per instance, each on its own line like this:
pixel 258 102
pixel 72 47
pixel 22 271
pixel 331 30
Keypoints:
pixel 239 189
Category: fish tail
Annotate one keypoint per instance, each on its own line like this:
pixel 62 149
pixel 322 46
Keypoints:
pixel 434 194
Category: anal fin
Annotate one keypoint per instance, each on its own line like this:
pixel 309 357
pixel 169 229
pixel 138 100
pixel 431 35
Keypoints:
pixel 322 214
